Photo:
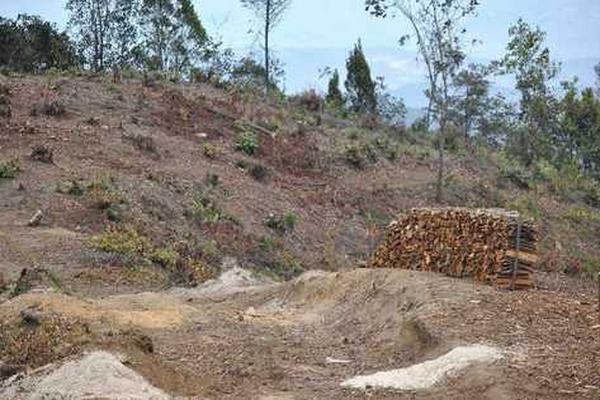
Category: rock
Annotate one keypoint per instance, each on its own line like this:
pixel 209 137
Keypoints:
pixel 36 219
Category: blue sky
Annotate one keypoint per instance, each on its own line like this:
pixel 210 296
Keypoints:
pixel 316 33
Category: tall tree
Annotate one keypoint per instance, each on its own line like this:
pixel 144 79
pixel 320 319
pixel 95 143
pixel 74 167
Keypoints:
pixel 471 98
pixel 270 13
pixel 437 26
pixel 334 94
pixel 530 63
pixel 173 34
pixel 125 31
pixel 91 21
pixel 597 71
pixel 360 87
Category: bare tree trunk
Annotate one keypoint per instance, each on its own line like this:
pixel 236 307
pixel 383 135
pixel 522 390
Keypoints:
pixel 267 29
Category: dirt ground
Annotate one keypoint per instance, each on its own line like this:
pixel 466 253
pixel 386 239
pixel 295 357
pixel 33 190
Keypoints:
pixel 272 341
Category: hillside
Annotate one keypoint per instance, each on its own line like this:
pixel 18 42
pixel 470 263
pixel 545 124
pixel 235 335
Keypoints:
pixel 149 189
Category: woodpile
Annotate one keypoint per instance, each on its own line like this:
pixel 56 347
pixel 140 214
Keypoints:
pixel 489 245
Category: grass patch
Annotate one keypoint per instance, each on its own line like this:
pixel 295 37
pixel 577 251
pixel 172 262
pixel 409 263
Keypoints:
pixel 9 169
pixel 527 207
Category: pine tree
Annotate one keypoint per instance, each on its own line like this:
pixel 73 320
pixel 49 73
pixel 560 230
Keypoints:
pixel 360 87
pixel 334 94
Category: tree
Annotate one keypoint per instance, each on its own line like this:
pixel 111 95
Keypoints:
pixel 91 19
pixel 360 87
pixel 580 129
pixel 529 61
pixel 471 98
pixel 124 31
pixel 437 27
pixel 597 71
pixel 334 94
pixel 174 35
pixel 390 109
pixel 29 44
pixel 270 13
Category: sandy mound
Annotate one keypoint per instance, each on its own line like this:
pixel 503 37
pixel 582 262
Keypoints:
pixel 427 374
pixel 97 375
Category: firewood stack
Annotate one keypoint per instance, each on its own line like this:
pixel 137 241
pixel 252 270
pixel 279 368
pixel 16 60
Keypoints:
pixel 460 242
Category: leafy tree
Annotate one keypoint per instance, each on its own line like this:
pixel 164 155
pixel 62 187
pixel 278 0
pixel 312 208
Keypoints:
pixel 174 35
pixel 580 129
pixel 530 62
pixel 247 71
pixel 391 109
pixel 334 94
pixel 28 44
pixel 269 13
pixel 91 20
pixel 438 28
pixel 471 98
pixel 597 71
pixel 125 31
pixel 360 87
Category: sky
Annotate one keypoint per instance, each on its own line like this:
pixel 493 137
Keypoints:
pixel 319 33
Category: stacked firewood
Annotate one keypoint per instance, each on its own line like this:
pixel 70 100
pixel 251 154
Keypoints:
pixel 488 245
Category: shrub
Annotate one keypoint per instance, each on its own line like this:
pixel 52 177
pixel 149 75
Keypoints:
pixel 124 241
pixel 284 223
pixel 527 206
pixel 142 142
pixel 51 108
pixel 104 193
pixel 9 169
pixel 43 154
pixel 165 257
pixel 259 172
pixel 210 151
pixel 354 156
pixel 516 173
pixel 247 142
pixel 287 267
pixel 309 100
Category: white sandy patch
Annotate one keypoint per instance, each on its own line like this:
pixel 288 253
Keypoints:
pixel 427 374
pixel 98 375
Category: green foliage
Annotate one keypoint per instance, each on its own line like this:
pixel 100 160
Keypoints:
pixel 530 62
pixel 206 210
pixel 569 183
pixel 527 206
pixel 165 257
pixel 247 142
pixel 580 215
pixel 126 241
pixel 334 97
pixel 210 151
pixel 28 43
pixel 9 169
pixel 360 87
pixel 354 156
pixel 284 223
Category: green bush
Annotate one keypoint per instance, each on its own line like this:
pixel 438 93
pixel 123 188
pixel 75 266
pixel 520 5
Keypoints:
pixel 527 207
pixel 354 156
pixel 284 223
pixel 9 169
pixel 247 142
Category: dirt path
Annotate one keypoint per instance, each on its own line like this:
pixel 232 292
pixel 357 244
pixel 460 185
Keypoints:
pixel 274 341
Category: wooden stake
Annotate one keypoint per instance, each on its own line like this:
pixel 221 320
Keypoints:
pixel 517 249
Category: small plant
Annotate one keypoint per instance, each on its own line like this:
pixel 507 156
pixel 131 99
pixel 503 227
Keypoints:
pixel 527 206
pixel 52 108
pixel 247 142
pixel 123 240
pixel 9 169
pixel 165 257
pixel 42 154
pixel 142 143
pixel 212 180
pixel 354 156
pixel 287 267
pixel 259 172
pixel 210 151
pixel 104 193
pixel 282 223
pixel 206 210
